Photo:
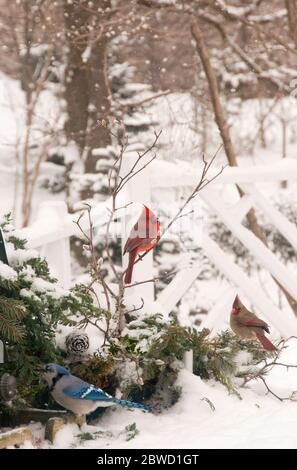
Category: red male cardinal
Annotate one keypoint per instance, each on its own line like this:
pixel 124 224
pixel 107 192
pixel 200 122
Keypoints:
pixel 143 237
pixel 247 325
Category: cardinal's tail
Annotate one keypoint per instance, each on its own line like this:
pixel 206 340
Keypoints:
pixel 266 343
pixel 129 271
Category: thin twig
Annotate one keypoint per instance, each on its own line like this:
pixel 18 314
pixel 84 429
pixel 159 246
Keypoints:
pixel 203 182
pixel 268 366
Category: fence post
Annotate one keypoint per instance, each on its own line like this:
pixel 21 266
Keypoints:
pixel 57 253
pixel 138 190
pixel 188 360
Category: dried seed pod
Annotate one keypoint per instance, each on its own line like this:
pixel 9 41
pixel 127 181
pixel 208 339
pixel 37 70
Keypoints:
pixel 8 387
pixel 77 343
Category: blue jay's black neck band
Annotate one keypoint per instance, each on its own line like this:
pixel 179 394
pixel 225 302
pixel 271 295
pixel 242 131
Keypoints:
pixel 55 380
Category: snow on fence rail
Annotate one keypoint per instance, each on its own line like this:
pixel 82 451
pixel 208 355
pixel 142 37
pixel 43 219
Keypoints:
pixel 53 226
pixel 182 174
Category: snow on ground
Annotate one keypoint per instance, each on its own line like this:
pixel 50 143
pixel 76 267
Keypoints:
pixel 256 421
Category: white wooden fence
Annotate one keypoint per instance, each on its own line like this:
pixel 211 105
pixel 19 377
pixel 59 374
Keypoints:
pixel 53 226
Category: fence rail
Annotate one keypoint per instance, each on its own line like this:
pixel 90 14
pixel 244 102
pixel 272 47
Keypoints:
pixel 53 226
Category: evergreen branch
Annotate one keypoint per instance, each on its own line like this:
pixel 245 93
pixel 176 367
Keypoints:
pixel 11 312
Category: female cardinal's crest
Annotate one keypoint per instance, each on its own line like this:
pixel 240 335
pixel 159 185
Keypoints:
pixel 236 306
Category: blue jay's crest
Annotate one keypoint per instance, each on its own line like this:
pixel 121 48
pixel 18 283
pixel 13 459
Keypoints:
pixel 53 373
pixel 56 369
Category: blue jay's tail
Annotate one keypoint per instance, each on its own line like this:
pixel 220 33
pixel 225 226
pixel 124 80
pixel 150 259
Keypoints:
pixel 130 404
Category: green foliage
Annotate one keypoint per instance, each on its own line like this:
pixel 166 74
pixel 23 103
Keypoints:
pixel 143 362
pixel 11 313
pixel 17 242
pixel 217 358
pixel 212 360
pixel 31 307
pixel 86 436
pixel 81 303
pixel 157 348
pixel 96 370
pixel 173 342
pixel 5 224
pixel 131 431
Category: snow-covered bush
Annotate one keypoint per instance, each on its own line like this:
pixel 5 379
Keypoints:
pixel 31 306
pixel 143 363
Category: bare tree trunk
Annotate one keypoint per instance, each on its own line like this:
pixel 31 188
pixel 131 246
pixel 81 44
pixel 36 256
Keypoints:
pixel 76 82
pixel 292 18
pixel 99 99
pixel 86 88
pixel 220 118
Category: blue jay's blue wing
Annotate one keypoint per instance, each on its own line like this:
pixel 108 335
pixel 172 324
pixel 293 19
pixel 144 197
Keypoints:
pixel 77 388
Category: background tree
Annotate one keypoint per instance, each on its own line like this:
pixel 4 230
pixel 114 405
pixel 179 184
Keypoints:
pixel 87 89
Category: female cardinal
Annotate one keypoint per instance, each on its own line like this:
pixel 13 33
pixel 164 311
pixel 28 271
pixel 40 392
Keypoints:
pixel 247 325
pixel 143 237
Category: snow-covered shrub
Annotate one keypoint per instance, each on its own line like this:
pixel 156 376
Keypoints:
pixel 31 306
pixel 143 363
pixel 160 346
pixel 224 357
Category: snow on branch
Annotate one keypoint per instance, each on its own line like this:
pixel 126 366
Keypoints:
pixel 249 61
pixel 268 18
pixel 241 13
pixel 261 373
pixel 237 11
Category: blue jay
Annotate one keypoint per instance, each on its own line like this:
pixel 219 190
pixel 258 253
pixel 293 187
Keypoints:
pixel 78 396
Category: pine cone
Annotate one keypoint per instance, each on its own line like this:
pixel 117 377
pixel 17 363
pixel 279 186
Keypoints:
pixel 77 343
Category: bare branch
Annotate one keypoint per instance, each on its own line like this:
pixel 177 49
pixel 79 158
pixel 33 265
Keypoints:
pixel 268 366
pixel 202 183
pixel 134 104
pixel 131 173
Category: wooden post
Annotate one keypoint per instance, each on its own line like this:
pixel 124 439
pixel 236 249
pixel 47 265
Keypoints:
pixel 188 360
pixel 138 191
pixel 57 253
